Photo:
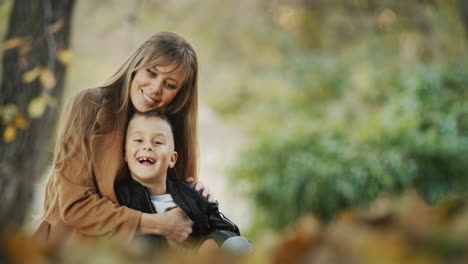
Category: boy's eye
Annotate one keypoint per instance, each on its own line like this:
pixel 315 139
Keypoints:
pixel 151 73
pixel 158 142
pixel 138 140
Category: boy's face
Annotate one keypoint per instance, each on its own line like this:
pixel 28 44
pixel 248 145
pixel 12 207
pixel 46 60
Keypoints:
pixel 149 148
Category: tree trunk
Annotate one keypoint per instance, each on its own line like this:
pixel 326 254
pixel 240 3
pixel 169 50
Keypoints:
pixel 34 64
pixel 463 7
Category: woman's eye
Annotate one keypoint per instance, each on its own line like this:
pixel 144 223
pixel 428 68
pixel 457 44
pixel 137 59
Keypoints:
pixel 170 86
pixel 151 73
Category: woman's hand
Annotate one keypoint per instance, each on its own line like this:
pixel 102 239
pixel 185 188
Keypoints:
pixel 174 225
pixel 178 226
pixel 200 186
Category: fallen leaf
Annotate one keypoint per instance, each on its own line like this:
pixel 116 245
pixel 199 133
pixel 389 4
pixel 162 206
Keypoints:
pixel 37 107
pixel 12 43
pixel 49 100
pixel 31 75
pixel 22 249
pixel 47 79
pixel 64 56
pixel 19 121
pixel 23 53
pixel 9 134
pixel 56 26
pixel 8 112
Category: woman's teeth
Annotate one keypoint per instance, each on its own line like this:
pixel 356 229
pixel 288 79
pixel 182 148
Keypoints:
pixel 148 99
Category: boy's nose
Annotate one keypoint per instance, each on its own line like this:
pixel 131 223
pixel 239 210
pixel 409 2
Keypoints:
pixel 149 148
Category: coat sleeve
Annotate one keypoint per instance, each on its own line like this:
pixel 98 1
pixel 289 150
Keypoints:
pixel 82 207
pixel 80 203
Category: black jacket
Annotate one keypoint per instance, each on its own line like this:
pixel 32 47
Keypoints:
pixel 208 222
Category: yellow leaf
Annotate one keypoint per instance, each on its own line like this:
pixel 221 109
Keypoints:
pixel 20 248
pixel 9 134
pixel 50 101
pixel 8 112
pixel 12 43
pixel 31 75
pixel 47 78
pixel 20 122
pixel 54 28
pixel 386 18
pixel 37 106
pixel 64 56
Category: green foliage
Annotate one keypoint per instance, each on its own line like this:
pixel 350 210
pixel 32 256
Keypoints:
pixel 379 112
pixel 418 137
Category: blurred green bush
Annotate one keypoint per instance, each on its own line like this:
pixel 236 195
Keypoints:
pixel 379 109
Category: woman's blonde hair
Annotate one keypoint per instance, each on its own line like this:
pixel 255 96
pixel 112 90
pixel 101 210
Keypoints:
pixel 78 120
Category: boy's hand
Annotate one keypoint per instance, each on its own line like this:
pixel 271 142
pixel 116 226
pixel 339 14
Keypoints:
pixel 200 186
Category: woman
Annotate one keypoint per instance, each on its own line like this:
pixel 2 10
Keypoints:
pixel 80 201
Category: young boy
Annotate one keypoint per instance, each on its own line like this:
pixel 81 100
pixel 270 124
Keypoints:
pixel 150 155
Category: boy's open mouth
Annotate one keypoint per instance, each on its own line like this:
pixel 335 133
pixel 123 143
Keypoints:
pixel 146 160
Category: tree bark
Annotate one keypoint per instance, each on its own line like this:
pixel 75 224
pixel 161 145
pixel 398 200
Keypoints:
pixel 38 31
pixel 463 7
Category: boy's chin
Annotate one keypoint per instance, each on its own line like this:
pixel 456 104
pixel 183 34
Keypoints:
pixel 148 180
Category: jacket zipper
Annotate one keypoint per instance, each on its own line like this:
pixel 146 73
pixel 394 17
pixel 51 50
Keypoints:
pixel 149 202
pixel 229 221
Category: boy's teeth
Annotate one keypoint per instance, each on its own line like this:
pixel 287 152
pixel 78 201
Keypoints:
pixel 145 159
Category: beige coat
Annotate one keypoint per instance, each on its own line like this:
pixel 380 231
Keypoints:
pixel 87 205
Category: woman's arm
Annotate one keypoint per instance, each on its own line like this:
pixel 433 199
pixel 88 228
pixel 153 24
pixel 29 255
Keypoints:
pixel 91 214
pixel 174 225
pixel 83 208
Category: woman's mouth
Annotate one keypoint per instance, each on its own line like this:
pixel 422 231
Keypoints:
pixel 148 100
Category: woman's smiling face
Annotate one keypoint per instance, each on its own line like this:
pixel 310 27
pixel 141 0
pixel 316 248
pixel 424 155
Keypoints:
pixel 155 87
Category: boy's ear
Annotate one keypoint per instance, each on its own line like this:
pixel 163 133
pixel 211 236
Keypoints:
pixel 173 161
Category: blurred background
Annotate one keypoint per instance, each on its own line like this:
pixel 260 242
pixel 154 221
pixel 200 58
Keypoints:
pixel 306 106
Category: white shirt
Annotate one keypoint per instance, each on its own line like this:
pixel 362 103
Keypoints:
pixel 163 202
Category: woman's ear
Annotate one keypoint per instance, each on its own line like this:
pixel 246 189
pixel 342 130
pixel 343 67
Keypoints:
pixel 173 159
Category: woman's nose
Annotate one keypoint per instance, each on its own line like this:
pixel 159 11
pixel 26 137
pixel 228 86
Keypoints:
pixel 156 86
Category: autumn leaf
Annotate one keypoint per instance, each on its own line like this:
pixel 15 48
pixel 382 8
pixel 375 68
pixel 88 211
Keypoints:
pixel 19 121
pixel 9 134
pixel 12 43
pixel 8 112
pixel 64 56
pixel 54 28
pixel 37 107
pixel 23 53
pixel 50 100
pixel 21 249
pixel 386 18
pixel 47 78
pixel 31 75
